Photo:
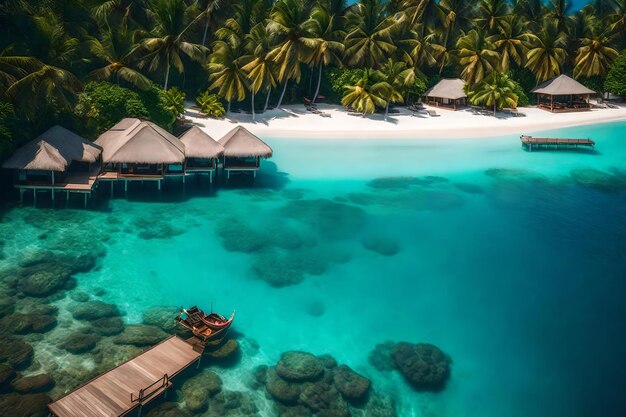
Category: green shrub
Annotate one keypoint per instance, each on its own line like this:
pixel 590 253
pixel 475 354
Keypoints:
pixel 522 98
pixel 339 78
pixel 7 125
pixel 172 102
pixel 615 82
pixel 210 105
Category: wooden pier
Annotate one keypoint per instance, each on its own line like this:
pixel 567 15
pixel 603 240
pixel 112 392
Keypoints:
pixel 531 143
pixel 130 385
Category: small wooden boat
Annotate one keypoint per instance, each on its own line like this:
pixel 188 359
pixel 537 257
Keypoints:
pixel 206 327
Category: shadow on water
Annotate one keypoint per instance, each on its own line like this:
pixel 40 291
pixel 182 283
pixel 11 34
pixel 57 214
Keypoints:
pixel 579 151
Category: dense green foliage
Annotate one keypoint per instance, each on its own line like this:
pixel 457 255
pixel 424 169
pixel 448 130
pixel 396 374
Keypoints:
pixel 616 78
pixel 7 119
pixel 496 91
pixel 210 105
pixel 284 50
pixel 102 104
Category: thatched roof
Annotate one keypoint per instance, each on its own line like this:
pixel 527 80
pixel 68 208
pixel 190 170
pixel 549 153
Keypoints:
pixel 198 144
pixel 53 150
pixel 450 88
pixel 240 143
pixel 562 86
pixel 134 141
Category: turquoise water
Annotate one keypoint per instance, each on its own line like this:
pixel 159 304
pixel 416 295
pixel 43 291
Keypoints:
pixel 511 262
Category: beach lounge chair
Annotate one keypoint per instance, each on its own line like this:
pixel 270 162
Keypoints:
pixel 353 113
pixel 432 113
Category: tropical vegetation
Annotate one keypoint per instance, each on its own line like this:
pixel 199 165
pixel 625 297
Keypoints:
pixel 254 54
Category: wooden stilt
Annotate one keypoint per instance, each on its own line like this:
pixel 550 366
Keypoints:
pixel 85 198
pixel 34 198
pixel 125 185
pixel 111 189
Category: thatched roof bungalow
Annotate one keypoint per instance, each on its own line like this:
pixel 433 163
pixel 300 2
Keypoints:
pixel 243 151
pixel 562 94
pixel 139 148
pixel 55 150
pixel 201 151
pixel 447 93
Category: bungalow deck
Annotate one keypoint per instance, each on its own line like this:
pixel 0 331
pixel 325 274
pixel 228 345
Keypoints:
pixel 130 385
pixel 531 143
pixel 81 183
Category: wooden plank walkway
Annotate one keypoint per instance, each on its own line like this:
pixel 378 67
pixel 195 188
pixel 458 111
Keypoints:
pixel 116 392
pixel 530 142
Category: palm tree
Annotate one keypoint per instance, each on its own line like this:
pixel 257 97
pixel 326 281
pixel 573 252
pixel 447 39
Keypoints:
pixel 14 67
pixel 396 79
pixel 167 44
pixel 497 90
pixel 421 11
pixel 594 56
pixel 369 40
pixel 491 13
pixel 115 48
pixel 559 11
pixel 208 7
pixel 511 42
pixel 617 20
pixel 293 39
pixel 477 57
pixel 123 12
pixel 547 51
pixel 457 16
pixel 259 69
pixel 329 48
pixel 366 94
pixel 226 72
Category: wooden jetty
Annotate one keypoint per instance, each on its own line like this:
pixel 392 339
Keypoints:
pixel 130 385
pixel 531 143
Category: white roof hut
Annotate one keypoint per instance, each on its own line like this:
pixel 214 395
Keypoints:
pixel 198 144
pixel 448 92
pixel 241 143
pixel 134 141
pixel 53 150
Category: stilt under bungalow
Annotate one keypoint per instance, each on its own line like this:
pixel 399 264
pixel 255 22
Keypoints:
pixel 243 152
pixel 202 152
pixel 57 160
pixel 139 150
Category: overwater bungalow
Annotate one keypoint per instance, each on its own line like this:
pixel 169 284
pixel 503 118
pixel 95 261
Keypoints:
pixel 57 160
pixel 202 152
pixel 243 151
pixel 448 93
pixel 562 94
pixel 137 149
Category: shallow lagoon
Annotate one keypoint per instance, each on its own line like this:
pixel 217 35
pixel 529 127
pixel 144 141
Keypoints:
pixel 511 262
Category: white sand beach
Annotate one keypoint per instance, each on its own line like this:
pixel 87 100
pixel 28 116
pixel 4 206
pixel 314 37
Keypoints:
pixel 295 121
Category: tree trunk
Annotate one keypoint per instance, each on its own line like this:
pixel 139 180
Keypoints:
pixel 282 94
pixel 319 80
pixel 228 107
pixel 386 110
pixel 206 30
pixel 267 100
pixel 167 76
pixel 494 109
pixel 253 115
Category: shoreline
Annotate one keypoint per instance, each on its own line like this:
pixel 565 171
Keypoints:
pixel 293 121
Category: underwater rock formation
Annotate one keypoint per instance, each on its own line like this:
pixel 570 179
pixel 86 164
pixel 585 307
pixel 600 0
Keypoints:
pixel 424 366
pixel 383 245
pixel 7 305
pixel 6 375
pixel 469 188
pixel 599 180
pixel 380 357
pixel 31 405
pixel 15 352
pixel 232 404
pixel 227 354
pixel 162 317
pixel 79 342
pixel 197 390
pixel 107 326
pixel 299 367
pixel 140 335
pixel 19 323
pixel 306 385
pixel 238 236
pixel 352 386
pixel 168 410
pixel 155 226
pixel 33 384
pixel 94 310
pixel 45 273
pixel 328 218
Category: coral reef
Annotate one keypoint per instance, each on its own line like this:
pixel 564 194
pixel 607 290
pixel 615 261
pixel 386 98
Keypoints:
pixel 381 244
pixel 197 390
pixel 162 317
pixel 599 180
pixel 79 342
pixel 15 352
pixel 352 386
pixel 140 335
pixel 423 365
pixel 299 367
pixel 328 218
pixel 94 310
pixel 33 384
pixel 30 405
